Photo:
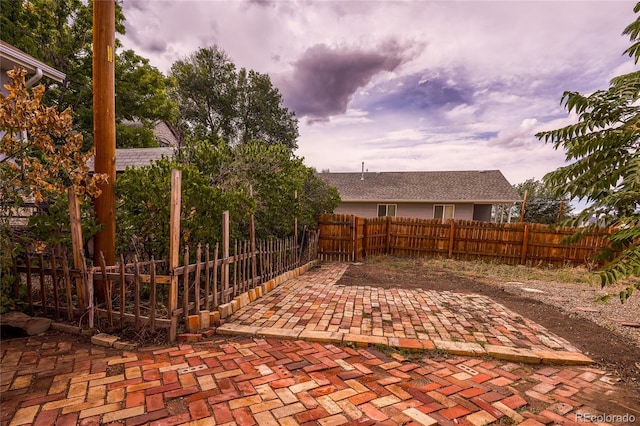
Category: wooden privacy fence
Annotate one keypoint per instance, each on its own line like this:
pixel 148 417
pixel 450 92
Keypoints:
pixel 351 238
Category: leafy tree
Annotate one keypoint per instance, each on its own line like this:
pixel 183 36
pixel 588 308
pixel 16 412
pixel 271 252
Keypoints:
pixel 205 92
pixel 542 205
pixel 141 100
pixel 40 157
pixel 59 33
pixel 260 112
pixel 144 196
pixel 602 150
pixel 251 178
pixel 135 135
pixel 217 101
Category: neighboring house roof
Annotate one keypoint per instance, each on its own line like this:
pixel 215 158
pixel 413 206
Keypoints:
pixel 166 134
pixel 483 186
pixel 138 157
pixel 11 56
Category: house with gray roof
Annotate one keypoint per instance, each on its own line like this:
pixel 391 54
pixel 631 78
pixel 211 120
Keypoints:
pixel 466 195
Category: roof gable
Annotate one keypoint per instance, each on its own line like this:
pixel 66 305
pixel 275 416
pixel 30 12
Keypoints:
pixel 488 186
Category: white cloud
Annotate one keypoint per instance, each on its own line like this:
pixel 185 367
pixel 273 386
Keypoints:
pixel 495 72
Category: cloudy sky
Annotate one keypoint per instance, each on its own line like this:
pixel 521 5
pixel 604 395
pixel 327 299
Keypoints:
pixel 407 85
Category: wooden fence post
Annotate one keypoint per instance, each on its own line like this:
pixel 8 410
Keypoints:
pixel 388 242
pixel 123 294
pixel 295 238
pixel 197 282
pixel 295 227
pixel 174 247
pixel 451 236
pixel 207 281
pixel 252 237
pixel 185 286
pixel 524 205
pixel 153 297
pixel 365 234
pixel 77 246
pixel 525 244
pixel 225 256
pixel 354 238
pixel 254 254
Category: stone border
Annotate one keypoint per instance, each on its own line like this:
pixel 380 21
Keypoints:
pixel 520 355
pixel 207 319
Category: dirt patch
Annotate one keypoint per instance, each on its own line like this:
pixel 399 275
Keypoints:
pixel 613 351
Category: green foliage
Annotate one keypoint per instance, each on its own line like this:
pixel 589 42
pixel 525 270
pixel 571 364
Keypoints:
pixel 144 196
pixel 260 111
pixel 217 101
pixel 542 205
pixel 59 33
pixel 141 100
pixel 53 227
pixel 135 135
pixel 252 178
pixel 274 176
pixel 602 152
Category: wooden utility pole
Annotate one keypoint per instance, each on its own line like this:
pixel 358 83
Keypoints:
pixel 560 211
pixel 104 129
pixel 524 205
pixel 174 248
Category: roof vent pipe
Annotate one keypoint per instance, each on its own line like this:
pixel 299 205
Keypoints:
pixel 362 178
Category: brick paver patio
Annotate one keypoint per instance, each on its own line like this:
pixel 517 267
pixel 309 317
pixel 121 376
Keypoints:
pixel 248 381
pixel 252 380
pixel 313 307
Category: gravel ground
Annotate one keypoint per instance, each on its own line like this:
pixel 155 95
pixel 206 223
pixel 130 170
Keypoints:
pixel 580 300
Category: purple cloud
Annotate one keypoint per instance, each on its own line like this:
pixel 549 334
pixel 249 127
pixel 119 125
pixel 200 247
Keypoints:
pixel 324 79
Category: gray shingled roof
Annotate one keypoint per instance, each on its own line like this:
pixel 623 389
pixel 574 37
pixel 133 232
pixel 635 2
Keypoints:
pixel 138 157
pixel 466 186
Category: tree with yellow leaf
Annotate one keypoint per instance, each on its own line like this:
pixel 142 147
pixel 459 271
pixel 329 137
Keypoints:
pixel 40 151
pixel 40 157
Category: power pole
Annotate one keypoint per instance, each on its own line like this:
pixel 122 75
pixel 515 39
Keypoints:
pixel 104 130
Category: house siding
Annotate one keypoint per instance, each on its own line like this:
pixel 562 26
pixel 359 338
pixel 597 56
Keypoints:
pixel 463 211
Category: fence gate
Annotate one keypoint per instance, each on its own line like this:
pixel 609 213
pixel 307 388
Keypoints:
pixel 342 238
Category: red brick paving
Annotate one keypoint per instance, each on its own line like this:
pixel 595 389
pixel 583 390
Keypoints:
pixel 314 302
pixel 55 380
pixel 263 381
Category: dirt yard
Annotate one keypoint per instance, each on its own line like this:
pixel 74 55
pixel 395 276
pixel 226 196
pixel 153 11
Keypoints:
pixel 563 301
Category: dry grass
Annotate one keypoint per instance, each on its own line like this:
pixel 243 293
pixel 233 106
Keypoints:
pixel 494 271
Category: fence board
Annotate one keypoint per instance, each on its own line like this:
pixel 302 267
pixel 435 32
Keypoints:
pixel 348 238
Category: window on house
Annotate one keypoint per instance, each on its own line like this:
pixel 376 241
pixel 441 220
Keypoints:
pixel 386 210
pixel 443 211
